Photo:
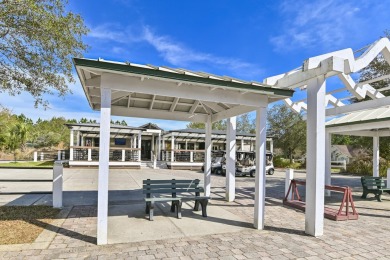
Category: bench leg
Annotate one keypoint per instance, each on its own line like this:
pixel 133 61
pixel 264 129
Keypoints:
pixel 204 203
pixel 173 205
pixel 147 208
pixel 378 196
pixel 364 196
pixel 196 206
pixel 151 208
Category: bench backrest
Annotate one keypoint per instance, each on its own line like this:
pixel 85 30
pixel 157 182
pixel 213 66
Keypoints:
pixel 171 187
pixel 373 182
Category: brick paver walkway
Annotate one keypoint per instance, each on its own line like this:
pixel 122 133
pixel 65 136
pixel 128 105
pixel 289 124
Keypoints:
pixel 283 237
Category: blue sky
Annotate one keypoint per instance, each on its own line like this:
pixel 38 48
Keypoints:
pixel 245 39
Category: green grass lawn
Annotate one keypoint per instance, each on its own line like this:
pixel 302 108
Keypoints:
pixel 45 164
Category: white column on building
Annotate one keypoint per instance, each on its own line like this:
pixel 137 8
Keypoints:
pixel 71 145
pixel 328 168
pixel 153 148
pixel 207 158
pixel 242 144
pixel 172 147
pixel 104 153
pixel 159 147
pixel 186 145
pixel 82 140
pixel 271 146
pixel 231 159
pixel 375 158
pixel 139 145
pixel 78 138
pixel 261 139
pixel 315 167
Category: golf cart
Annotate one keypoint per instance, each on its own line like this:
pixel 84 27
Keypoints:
pixel 217 160
pixel 246 164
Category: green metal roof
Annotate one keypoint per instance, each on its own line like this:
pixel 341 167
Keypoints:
pixel 368 116
pixel 182 75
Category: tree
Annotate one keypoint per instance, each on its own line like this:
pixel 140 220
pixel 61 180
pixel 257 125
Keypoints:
pixel 219 125
pixel 288 129
pixel 245 125
pixel 16 137
pixel 37 41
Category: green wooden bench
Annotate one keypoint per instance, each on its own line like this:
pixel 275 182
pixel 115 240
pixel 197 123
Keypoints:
pixel 375 185
pixel 168 190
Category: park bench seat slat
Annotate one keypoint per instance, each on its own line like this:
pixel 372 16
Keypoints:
pixel 170 181
pixel 163 190
pixel 162 199
pixel 169 186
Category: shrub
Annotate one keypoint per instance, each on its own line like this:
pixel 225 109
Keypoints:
pixel 363 166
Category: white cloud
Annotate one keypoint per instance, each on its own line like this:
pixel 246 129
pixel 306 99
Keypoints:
pixel 325 23
pixel 171 51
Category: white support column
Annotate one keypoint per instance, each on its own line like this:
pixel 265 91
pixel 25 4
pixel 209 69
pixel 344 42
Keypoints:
pixel 58 169
pixel 35 156
pixel 192 156
pixel 289 178
pixel 42 156
pixel 159 147
pixel 172 148
pixel 78 138
pixel 89 154
pixel 104 153
pixel 59 155
pixel 153 148
pixel 186 145
pixel 271 146
pixel 163 143
pixel 315 168
pixel 375 159
pixel 242 144
pixel 261 139
pixel 139 145
pixel 231 159
pixel 207 158
pixel 328 168
pixel 123 155
pixel 71 144
pixel 388 178
pixel 82 140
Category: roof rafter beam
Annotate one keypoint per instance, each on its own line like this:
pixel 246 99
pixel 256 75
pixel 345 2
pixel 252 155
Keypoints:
pixel 234 111
pixel 174 104
pixel 194 107
pixel 152 102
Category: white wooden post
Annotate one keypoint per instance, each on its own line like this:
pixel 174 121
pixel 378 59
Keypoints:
pixel 123 155
pixel 207 158
pixel 78 138
pixel 288 179
pixel 82 140
pixel 35 156
pixel 328 166
pixel 315 168
pixel 375 159
pixel 388 178
pixel 58 155
pixel 154 158
pixel 192 156
pixel 153 147
pixel 139 146
pixel 89 154
pixel 71 145
pixel 58 169
pixel 242 144
pixel 104 153
pixel 172 148
pixel 271 146
pixel 231 159
pixel 159 147
pixel 261 138
pixel 42 156
pixel 186 145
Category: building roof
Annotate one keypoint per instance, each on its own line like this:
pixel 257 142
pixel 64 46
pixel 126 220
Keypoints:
pixel 149 91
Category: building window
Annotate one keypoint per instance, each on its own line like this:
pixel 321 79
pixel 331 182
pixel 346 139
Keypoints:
pixel 120 141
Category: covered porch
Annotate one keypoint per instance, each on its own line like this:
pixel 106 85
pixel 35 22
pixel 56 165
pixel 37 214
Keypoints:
pixel 127 89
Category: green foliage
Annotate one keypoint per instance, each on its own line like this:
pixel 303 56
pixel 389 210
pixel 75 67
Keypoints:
pixel 49 133
pixel 280 162
pixel 37 41
pixel 288 130
pixel 219 125
pixel 363 166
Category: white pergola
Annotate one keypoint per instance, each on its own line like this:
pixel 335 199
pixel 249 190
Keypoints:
pixel 319 103
pixel 146 91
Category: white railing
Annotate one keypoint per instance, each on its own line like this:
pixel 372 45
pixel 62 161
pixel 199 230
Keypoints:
pixel 339 164
pixel 183 155
pixel 88 153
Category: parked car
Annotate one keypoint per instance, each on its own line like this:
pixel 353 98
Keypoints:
pixel 217 161
pixel 245 164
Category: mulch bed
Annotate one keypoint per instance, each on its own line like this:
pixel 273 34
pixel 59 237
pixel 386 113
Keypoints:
pixel 23 224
